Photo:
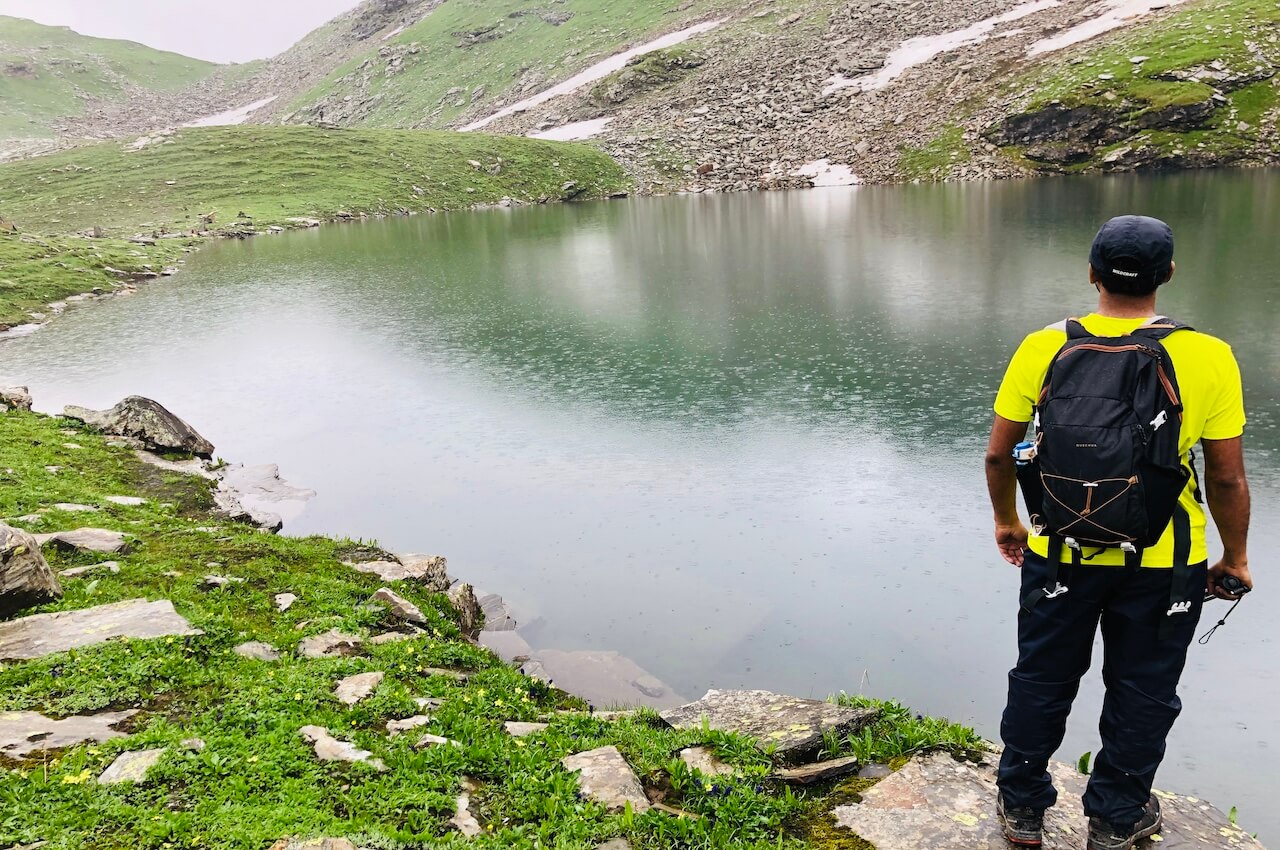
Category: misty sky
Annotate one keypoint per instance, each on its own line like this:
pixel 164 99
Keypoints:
pixel 221 32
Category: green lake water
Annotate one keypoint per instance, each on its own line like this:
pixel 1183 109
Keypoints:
pixel 738 439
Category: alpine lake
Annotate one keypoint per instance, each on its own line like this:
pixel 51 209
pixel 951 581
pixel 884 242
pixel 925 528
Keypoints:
pixel 738 439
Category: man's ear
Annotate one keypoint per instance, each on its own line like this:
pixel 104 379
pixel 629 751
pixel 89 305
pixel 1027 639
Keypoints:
pixel 1093 276
pixel 1173 268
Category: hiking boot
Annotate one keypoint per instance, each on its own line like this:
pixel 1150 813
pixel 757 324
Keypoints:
pixel 1109 836
pixel 1022 827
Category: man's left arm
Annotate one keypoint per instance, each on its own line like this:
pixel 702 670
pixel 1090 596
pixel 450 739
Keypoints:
pixel 1002 486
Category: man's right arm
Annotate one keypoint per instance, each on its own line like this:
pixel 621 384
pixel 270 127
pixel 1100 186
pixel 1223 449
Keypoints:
pixel 1227 491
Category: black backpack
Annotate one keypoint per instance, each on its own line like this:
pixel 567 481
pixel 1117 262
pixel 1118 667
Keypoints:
pixel 1107 472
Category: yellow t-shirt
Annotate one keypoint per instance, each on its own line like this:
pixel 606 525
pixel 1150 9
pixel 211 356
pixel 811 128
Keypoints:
pixel 1212 397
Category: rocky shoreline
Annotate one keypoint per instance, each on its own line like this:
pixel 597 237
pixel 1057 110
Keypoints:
pixel 940 797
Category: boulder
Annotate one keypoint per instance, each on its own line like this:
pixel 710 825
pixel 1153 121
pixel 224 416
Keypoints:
pixel 465 603
pixel 794 727
pixel 17 398
pixel 25 577
pixel 944 804
pixel 605 777
pixel 399 607
pixel 45 634
pixel 147 421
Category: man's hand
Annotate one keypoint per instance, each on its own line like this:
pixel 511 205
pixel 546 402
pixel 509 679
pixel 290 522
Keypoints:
pixel 1012 542
pixel 1228 568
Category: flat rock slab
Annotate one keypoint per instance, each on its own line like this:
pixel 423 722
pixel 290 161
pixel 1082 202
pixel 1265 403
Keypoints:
pixel 605 776
pixel 602 678
pixel 329 748
pixel 940 803
pixel 353 689
pixel 314 844
pixel 45 634
pixel 517 729
pixel 101 540
pixel 25 732
pixel 400 608
pixel 258 651
pixel 428 570
pixel 331 644
pixel 396 727
pixel 822 771
pixel 130 767
pixel 127 501
pixel 793 726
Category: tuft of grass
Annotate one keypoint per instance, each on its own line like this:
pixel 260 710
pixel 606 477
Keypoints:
pixel 898 733
pixel 49 73
pixel 243 180
pixel 937 157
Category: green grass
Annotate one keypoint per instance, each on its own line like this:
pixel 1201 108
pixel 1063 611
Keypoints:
pixel 46 73
pixel 1102 74
pixel 256 780
pixel 249 179
pixel 937 157
pixel 530 46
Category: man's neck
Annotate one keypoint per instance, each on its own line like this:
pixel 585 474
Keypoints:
pixel 1120 307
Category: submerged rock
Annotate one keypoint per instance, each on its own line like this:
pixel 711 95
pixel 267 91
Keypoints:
pixel 944 804
pixel 146 421
pixel 25 577
pixel 45 634
pixel 601 678
pixel 794 726
pixel 606 777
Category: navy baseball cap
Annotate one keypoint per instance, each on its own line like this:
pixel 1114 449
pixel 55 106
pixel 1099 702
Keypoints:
pixel 1133 250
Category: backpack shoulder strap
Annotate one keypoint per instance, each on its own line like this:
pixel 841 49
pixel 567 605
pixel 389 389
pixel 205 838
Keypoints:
pixel 1075 330
pixel 1161 327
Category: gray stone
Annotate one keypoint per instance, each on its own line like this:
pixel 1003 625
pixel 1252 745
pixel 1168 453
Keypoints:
pixel 130 767
pixel 314 844
pixel 25 732
pixel 330 644
pixel 18 398
pixel 284 601
pixel 25 578
pixel 72 508
pixel 100 540
pixel 602 678
pixel 78 572
pixel 45 634
pixel 615 844
pixel 943 804
pixel 517 729
pixel 794 727
pixel 397 727
pixel 605 776
pixel 456 675
pixel 875 771
pixel 427 570
pixel 194 466
pixel 463 598
pixel 435 741
pixel 428 703
pixel 703 760
pixel 194 745
pixel 145 420
pixel 329 748
pixel 127 501
pixel 220 582
pixel 392 637
pixel 258 651
pixel 462 819
pixel 821 771
pixel 399 607
pixel 353 689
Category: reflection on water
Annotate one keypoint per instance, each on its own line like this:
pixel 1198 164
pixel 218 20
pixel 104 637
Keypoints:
pixel 736 438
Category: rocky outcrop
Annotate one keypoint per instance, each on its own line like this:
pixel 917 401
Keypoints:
pixel 945 804
pixel 25 577
pixel 794 727
pixel 146 421
pixel 470 618
pixel 14 398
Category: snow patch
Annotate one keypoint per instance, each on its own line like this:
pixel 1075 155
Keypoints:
pixel 825 173
pixel 575 132
pixel 917 51
pixel 596 72
pixel 1114 14
pixel 232 116
pixel 395 32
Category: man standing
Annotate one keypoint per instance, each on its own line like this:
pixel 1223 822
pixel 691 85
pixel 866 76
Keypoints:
pixel 1089 559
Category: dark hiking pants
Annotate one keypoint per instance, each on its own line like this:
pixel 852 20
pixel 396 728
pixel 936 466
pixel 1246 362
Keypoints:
pixel 1141 668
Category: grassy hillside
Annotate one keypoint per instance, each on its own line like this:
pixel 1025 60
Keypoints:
pixel 493 46
pixel 247 179
pixel 47 73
